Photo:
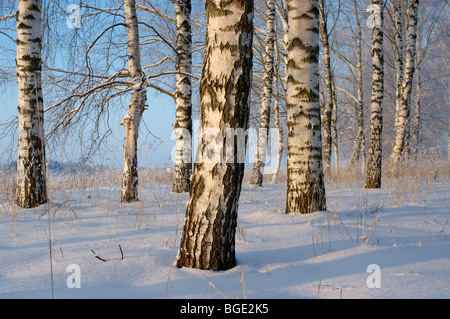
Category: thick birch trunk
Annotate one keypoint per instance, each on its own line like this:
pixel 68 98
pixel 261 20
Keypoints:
pixel 374 161
pixel 305 183
pixel 264 121
pixel 208 239
pixel 404 110
pixel 183 94
pixel 31 189
pixel 326 124
pixel 136 107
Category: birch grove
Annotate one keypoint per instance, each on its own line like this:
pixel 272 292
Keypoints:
pixel 31 186
pixel 305 180
pixel 208 239
pixel 260 67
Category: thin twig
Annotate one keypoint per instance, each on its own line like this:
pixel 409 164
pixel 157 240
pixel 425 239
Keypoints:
pixel 97 256
pixel 121 251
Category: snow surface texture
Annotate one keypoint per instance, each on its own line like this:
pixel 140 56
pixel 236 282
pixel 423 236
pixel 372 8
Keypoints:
pixel 321 255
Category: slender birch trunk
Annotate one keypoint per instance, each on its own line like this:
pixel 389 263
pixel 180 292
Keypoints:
pixel 208 239
pixel 305 183
pixel 183 98
pixel 359 148
pixel 132 119
pixel 404 110
pixel 276 115
pixel 31 188
pixel 397 16
pixel 326 124
pixel 264 121
pixel 334 129
pixel 276 106
pixel 417 111
pixel 374 161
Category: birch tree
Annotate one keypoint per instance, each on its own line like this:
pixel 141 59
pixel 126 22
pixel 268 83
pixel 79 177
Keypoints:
pixel 327 114
pixel 183 98
pixel 305 183
pixel 416 123
pixel 360 141
pixel 208 239
pixel 374 161
pixel 132 119
pixel 404 110
pixel 264 121
pixel 31 186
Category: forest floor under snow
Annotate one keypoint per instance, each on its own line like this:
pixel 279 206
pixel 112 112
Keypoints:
pixel 403 228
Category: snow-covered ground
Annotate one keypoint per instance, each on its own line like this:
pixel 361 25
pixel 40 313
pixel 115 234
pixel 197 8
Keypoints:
pixel 322 255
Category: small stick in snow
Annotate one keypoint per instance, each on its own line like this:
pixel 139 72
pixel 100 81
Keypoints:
pixel 96 256
pixel 121 252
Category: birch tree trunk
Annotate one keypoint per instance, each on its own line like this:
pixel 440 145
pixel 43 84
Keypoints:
pixel 417 111
pixel 264 121
pixel 397 16
pixel 374 161
pixel 404 110
pixel 31 189
pixel 208 239
pixel 183 94
pixel 326 139
pixel 360 140
pixel 276 115
pixel 305 183
pixel 132 119
pixel 334 129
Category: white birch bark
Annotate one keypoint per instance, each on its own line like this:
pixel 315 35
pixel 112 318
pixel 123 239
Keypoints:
pixel 264 120
pixel 374 161
pixel 397 17
pixel 327 114
pixel 30 190
pixel 276 110
pixel 276 115
pixel 208 239
pixel 417 112
pixel 132 119
pixel 404 110
pixel 183 98
pixel 334 129
pixel 305 184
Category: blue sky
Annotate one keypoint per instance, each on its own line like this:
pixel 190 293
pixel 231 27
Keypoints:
pixel 155 148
